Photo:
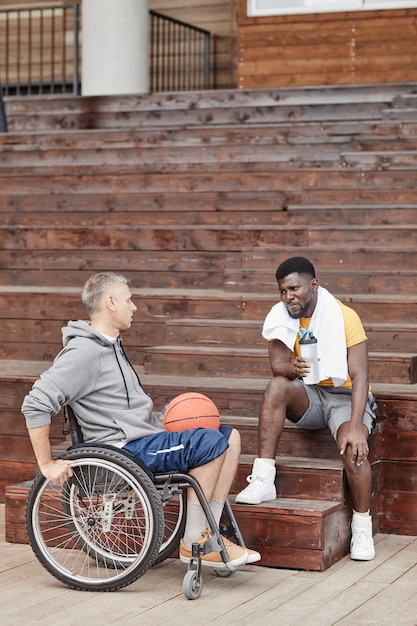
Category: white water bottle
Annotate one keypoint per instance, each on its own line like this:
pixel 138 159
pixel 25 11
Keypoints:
pixel 308 349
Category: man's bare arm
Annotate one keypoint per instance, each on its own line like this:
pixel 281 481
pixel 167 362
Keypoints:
pixel 282 361
pixel 356 435
pixel 57 471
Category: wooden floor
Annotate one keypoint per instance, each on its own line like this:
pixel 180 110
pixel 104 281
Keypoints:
pixel 383 592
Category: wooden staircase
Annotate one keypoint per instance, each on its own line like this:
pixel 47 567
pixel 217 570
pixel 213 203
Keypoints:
pixel 197 197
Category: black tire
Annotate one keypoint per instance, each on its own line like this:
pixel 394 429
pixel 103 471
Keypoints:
pixel 103 528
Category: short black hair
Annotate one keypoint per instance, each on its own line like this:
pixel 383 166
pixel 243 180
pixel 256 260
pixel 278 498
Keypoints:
pixel 296 264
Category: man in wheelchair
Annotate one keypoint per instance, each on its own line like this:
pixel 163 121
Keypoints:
pixel 93 375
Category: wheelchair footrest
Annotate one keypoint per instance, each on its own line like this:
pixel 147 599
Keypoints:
pixel 199 549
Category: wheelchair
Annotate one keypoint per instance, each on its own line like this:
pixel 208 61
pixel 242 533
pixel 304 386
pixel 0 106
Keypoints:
pixel 112 520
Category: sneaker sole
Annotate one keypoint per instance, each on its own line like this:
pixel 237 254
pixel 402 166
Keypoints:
pixel 243 501
pixel 218 565
pixel 362 557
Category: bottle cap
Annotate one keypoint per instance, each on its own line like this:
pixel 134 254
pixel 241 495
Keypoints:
pixel 306 336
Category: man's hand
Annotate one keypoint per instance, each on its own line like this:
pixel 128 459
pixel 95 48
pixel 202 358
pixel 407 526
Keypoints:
pixel 302 367
pixel 353 437
pixel 57 472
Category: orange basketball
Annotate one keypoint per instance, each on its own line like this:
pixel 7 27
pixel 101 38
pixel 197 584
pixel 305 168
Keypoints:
pixel 191 410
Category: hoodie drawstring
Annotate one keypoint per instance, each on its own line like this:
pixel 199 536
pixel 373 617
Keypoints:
pixel 121 371
pixel 129 363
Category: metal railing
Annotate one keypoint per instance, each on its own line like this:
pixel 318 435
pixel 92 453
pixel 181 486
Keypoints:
pixel 3 119
pixel 179 55
pixel 40 52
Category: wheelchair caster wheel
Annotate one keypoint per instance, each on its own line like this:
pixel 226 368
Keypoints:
pixel 224 573
pixel 191 586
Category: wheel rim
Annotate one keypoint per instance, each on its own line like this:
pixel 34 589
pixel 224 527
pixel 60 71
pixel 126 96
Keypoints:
pixel 96 527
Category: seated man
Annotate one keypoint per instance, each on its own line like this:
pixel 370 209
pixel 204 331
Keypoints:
pixel 341 401
pixel 93 375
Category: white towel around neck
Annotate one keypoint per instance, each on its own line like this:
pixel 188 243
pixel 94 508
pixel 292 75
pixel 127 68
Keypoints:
pixel 327 326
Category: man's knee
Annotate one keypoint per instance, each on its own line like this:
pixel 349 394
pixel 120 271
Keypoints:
pixel 278 387
pixel 288 395
pixel 235 441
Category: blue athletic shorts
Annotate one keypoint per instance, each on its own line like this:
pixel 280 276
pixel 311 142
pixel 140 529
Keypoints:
pixel 182 451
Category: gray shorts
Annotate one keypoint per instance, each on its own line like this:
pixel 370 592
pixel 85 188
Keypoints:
pixel 330 407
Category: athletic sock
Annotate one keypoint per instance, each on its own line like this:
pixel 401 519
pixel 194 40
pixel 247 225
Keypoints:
pixel 217 509
pixel 269 461
pixel 365 514
pixel 195 523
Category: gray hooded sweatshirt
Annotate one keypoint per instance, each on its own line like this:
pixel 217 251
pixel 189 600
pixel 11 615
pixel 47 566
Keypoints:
pixel 92 375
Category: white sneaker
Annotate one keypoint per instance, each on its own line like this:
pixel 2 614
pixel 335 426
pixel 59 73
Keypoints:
pixel 261 486
pixel 362 544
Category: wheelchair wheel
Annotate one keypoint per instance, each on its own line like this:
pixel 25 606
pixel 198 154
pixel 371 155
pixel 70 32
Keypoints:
pixel 103 528
pixel 192 585
pixel 174 522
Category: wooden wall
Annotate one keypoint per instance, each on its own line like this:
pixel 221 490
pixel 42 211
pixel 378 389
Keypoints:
pixel 327 48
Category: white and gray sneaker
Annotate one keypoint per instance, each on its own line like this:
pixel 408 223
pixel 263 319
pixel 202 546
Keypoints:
pixel 261 486
pixel 362 544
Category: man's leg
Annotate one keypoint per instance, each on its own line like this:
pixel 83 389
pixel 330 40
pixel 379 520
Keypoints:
pixel 359 479
pixel 282 398
pixel 202 453
pixel 215 479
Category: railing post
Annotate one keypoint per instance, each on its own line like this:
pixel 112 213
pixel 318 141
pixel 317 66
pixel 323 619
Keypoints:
pixel 3 120
pixel 76 64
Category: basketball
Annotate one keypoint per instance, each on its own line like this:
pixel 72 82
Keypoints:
pixel 190 410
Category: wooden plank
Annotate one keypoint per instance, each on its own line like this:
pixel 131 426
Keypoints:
pixel 29 266
pixel 353 214
pixel 182 237
pixel 300 478
pixel 346 257
pixel 152 303
pixel 198 117
pixel 105 203
pixel 377 281
pixel 387 605
pixel 361 133
pixel 295 180
pixel 234 361
pixel 321 94
pixel 167 158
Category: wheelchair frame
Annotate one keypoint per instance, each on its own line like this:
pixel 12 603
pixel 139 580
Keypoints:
pixel 113 519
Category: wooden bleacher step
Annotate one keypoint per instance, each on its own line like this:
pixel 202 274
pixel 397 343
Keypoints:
pixel 356 214
pixel 297 477
pixel 399 281
pixel 217 107
pixel 247 333
pixel 294 533
pixel 206 238
pixel 395 367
